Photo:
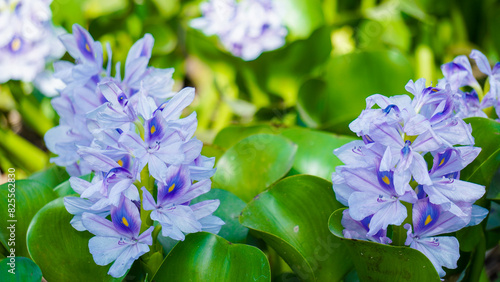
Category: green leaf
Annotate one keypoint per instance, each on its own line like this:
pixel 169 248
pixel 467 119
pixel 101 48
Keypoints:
pixel 315 151
pixel 62 252
pixel 207 257
pixel 302 16
pixel 52 176
pixel 30 196
pixel 292 217
pixel 253 164
pixel 229 211
pixel 486 133
pixel 349 79
pixel 233 134
pixel 378 262
pixel 25 270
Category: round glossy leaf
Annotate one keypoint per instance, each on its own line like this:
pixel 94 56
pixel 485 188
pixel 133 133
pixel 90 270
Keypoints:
pixel 292 217
pixel 378 262
pixel 23 269
pixel 349 79
pixel 486 134
pixel 253 164
pixel 51 177
pixel 229 211
pixel 30 196
pixel 315 151
pixel 233 134
pixel 207 257
pixel 62 252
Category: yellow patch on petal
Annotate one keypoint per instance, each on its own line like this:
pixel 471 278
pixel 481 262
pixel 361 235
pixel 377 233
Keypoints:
pixel 153 129
pixel 441 163
pixel 120 162
pixel 386 180
pixel 171 188
pixel 428 220
pixel 15 44
pixel 125 222
pixel 87 47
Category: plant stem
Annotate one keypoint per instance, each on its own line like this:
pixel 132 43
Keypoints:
pixel 399 233
pixel 148 182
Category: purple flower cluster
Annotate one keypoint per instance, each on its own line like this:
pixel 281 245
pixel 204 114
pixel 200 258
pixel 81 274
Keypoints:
pixel 386 172
pixel 466 90
pixel 27 39
pixel 246 28
pixel 129 133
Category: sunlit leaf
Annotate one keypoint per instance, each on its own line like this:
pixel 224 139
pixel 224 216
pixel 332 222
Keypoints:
pixel 254 164
pixel 207 257
pixel 62 252
pixel 315 151
pixel 232 134
pixel 292 217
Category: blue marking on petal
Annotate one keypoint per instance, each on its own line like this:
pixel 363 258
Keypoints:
pixel 174 185
pixel 388 109
pixel 385 179
pixel 123 219
pixel 125 162
pixel 155 129
pixel 171 188
pixel 429 217
pixel 84 45
pixel 448 107
pixel 160 108
pixel 444 158
pixel 122 99
pixel 366 222
pixel 118 173
pixel 367 139
pixel 406 148
pixel 453 175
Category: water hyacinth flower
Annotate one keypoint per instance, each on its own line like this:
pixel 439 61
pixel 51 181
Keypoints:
pixel 129 133
pixel 387 170
pixel 83 96
pixel 119 240
pixel 447 189
pixel 430 220
pixel 172 208
pixel 27 40
pixel 246 28
pixel 459 74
